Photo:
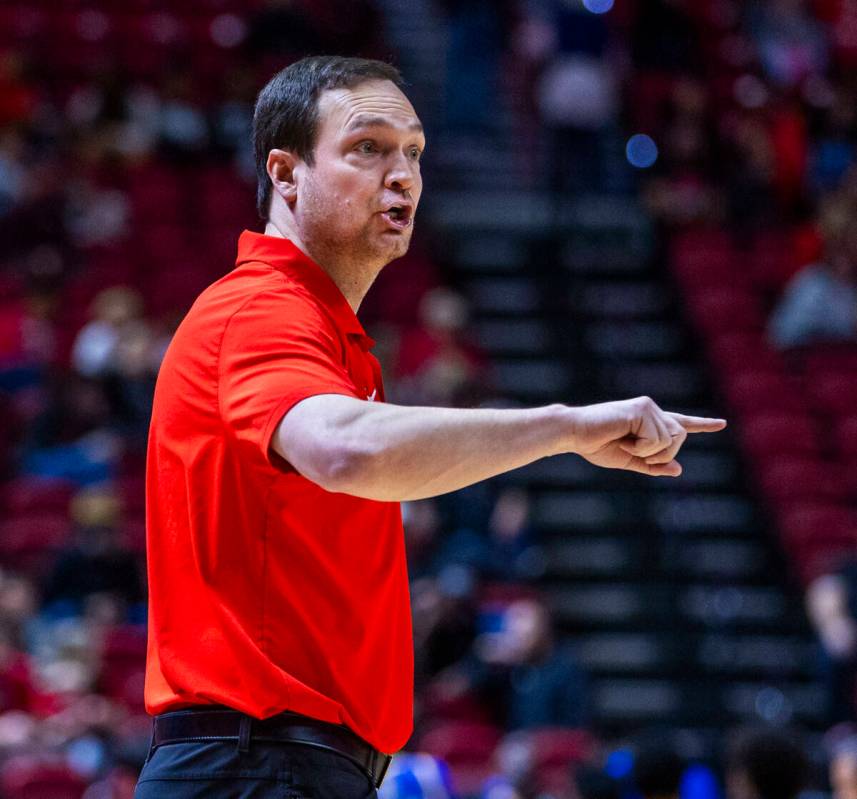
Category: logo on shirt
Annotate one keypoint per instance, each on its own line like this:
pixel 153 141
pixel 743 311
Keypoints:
pixel 371 397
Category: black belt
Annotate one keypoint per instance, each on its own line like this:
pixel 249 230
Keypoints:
pixel 221 723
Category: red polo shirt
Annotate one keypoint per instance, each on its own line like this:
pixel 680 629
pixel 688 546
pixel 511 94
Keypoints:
pixel 266 592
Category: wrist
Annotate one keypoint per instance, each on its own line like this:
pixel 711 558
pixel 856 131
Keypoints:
pixel 565 422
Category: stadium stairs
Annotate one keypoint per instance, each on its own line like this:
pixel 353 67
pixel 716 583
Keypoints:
pixel 675 593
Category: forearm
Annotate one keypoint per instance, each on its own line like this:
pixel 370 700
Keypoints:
pixel 393 453
pixel 396 453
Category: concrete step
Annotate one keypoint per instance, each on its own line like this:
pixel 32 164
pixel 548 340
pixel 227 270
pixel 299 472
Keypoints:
pixel 625 299
pixel 507 295
pixel 516 336
pixel 635 340
pixel 530 378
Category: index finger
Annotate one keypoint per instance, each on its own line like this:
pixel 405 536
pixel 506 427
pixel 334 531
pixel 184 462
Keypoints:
pixel 698 424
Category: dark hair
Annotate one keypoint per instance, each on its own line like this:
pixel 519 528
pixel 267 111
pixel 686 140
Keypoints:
pixel 773 761
pixel 657 770
pixel 286 113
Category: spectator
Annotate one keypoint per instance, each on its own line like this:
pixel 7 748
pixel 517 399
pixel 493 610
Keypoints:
pixel 18 96
pixel 444 621
pixel 820 301
pixel 521 674
pixel 477 32
pixel 114 312
pixel 833 150
pixel 765 764
pixel 683 190
pixel 792 45
pixel 13 172
pixel 436 364
pixel 830 602
pixel 503 550
pixel 94 563
pixel 578 99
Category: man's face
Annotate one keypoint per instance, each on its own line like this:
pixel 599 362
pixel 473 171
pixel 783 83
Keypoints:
pixel 358 199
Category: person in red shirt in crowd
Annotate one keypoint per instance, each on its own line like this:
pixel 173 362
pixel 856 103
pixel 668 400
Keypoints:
pixel 280 659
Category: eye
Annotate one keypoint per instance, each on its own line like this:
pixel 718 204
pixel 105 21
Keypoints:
pixel 415 153
pixel 366 147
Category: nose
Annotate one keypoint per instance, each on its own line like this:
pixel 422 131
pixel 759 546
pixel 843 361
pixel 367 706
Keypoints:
pixel 400 175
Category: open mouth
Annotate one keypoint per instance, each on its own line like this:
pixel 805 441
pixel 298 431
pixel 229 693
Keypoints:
pixel 398 216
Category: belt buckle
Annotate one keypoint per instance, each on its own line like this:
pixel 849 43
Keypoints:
pixel 387 759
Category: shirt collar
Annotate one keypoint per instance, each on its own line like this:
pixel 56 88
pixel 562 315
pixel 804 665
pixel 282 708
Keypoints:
pixel 285 256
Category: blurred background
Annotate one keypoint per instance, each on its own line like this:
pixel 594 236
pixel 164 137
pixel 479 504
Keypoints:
pixel 641 197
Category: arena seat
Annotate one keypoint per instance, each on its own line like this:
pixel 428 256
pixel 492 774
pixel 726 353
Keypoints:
pixel 846 435
pixel 25 777
pixel 777 433
pixel 749 390
pixel 736 351
pixel 25 494
pixel 818 521
pixel 723 309
pixel 788 478
pixel 554 751
pixel 833 393
pixel 123 658
pixel 28 541
pixel 468 749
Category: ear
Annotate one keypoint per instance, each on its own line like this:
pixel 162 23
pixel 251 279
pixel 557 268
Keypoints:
pixel 281 169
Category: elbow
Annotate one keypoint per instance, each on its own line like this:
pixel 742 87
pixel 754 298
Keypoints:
pixel 347 470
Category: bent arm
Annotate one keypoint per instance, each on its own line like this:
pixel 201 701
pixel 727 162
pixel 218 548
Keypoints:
pixel 396 453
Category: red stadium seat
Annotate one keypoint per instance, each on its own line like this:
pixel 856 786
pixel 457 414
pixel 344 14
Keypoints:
pixel 132 493
pixel 468 749
pixel 29 541
pixel 462 707
pixel 846 436
pixel 818 536
pixel 30 777
pixel 26 493
pixel 748 391
pixel 769 434
pixel 554 751
pixel 818 521
pixel 833 393
pixel 721 310
pixel 133 534
pixel 789 478
pixel 123 666
pixel 829 358
pixel 733 352
pixel 771 261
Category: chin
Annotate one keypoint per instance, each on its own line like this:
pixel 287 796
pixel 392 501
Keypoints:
pixel 400 249
pixel 390 250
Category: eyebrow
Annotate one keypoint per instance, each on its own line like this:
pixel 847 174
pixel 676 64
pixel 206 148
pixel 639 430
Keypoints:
pixel 366 121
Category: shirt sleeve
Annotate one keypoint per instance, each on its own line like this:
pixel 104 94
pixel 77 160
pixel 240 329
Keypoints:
pixel 278 349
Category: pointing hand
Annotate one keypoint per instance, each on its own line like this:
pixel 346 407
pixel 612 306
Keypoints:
pixel 636 435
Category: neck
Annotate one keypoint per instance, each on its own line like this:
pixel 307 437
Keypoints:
pixel 352 279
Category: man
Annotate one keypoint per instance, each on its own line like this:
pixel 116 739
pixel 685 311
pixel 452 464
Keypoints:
pixel 766 764
pixel 280 653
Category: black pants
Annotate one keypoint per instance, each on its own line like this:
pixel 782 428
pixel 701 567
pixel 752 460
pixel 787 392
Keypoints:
pixel 267 771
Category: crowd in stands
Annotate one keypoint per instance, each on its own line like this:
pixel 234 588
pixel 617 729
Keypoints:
pixel 126 173
pixel 755 196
